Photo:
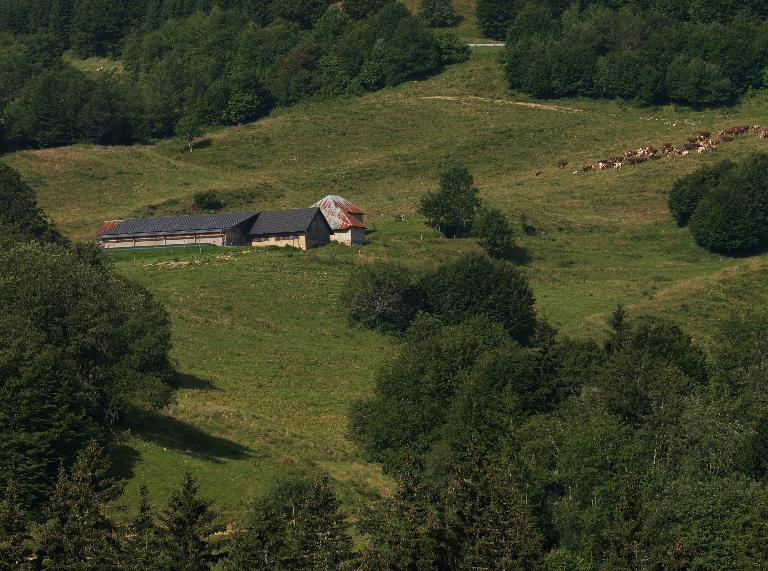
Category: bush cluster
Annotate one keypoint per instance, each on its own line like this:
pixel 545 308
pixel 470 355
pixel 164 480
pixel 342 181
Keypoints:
pixel 567 455
pixel 388 297
pixel 725 205
pixel 219 64
pixel 645 51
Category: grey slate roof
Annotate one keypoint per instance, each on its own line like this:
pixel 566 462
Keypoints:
pixel 293 220
pixel 191 223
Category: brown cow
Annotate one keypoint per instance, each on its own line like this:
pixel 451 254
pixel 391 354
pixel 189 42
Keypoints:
pixel 562 164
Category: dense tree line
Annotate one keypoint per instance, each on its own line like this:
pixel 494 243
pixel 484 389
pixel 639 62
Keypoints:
pixel 80 347
pixel 193 64
pixel 643 453
pixel 647 51
pixel 725 205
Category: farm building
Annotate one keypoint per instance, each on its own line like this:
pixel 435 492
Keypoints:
pixel 346 219
pixel 298 227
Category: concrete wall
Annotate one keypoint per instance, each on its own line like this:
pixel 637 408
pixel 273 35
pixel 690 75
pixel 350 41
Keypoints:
pixel 297 241
pixel 160 241
pixel 349 236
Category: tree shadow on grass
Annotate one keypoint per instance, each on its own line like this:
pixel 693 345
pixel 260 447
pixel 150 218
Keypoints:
pixel 124 458
pixel 187 381
pixel 170 432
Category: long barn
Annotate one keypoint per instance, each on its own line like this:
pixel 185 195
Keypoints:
pixel 298 227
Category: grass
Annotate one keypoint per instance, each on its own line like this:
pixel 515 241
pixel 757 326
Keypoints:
pixel 270 364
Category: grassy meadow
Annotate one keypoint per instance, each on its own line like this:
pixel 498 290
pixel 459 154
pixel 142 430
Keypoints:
pixel 269 363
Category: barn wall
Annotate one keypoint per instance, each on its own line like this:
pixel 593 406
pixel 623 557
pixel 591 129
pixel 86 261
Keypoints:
pixel 318 232
pixel 160 241
pixel 297 241
pixel 349 236
pixel 342 236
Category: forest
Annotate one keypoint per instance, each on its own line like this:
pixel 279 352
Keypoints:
pixel 190 65
pixel 643 51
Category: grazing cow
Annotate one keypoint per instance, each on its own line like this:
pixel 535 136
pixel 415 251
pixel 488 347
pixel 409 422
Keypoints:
pixel 684 153
pixel 562 164
pixel 704 134
pixel 617 166
pixel 726 138
pixel 586 167
pixel 764 134
pixel 755 128
pixel 702 150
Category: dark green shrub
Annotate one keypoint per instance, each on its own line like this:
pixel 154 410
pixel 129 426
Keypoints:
pixel 495 16
pixel 437 13
pixel 727 221
pixel 361 9
pixel 687 191
pixel 475 285
pixel 383 296
pixel 697 82
pixel 453 48
pixel 452 208
pixel 206 200
pixel 495 233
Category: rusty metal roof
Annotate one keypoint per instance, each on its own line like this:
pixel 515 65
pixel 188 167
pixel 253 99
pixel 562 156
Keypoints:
pixel 107 225
pixel 337 211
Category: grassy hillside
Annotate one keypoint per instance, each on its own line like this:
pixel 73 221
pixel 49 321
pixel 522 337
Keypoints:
pixel 270 364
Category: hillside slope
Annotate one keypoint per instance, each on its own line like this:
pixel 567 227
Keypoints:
pixel 271 365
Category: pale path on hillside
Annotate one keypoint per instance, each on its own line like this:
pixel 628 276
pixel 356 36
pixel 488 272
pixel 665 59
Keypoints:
pixel 546 107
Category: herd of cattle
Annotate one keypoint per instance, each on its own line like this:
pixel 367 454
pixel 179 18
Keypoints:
pixel 701 143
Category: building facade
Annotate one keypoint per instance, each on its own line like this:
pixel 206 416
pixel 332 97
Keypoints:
pixel 299 227
pixel 346 219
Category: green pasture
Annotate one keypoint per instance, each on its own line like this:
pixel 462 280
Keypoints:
pixel 269 363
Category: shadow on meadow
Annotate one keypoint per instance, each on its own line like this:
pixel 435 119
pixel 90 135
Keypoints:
pixel 170 432
pixel 187 381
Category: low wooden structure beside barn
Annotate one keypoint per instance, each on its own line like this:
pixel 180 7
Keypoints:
pixel 298 227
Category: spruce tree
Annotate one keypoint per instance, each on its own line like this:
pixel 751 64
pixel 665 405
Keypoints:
pixel 14 529
pixel 299 526
pixel 187 523
pixel 77 534
pixel 141 545
pixel 318 536
pixel 618 326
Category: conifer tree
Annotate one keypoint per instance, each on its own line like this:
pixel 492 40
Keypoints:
pixel 318 536
pixel 141 548
pixel 77 534
pixel 187 523
pixel 298 527
pixel 618 326
pixel 14 529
